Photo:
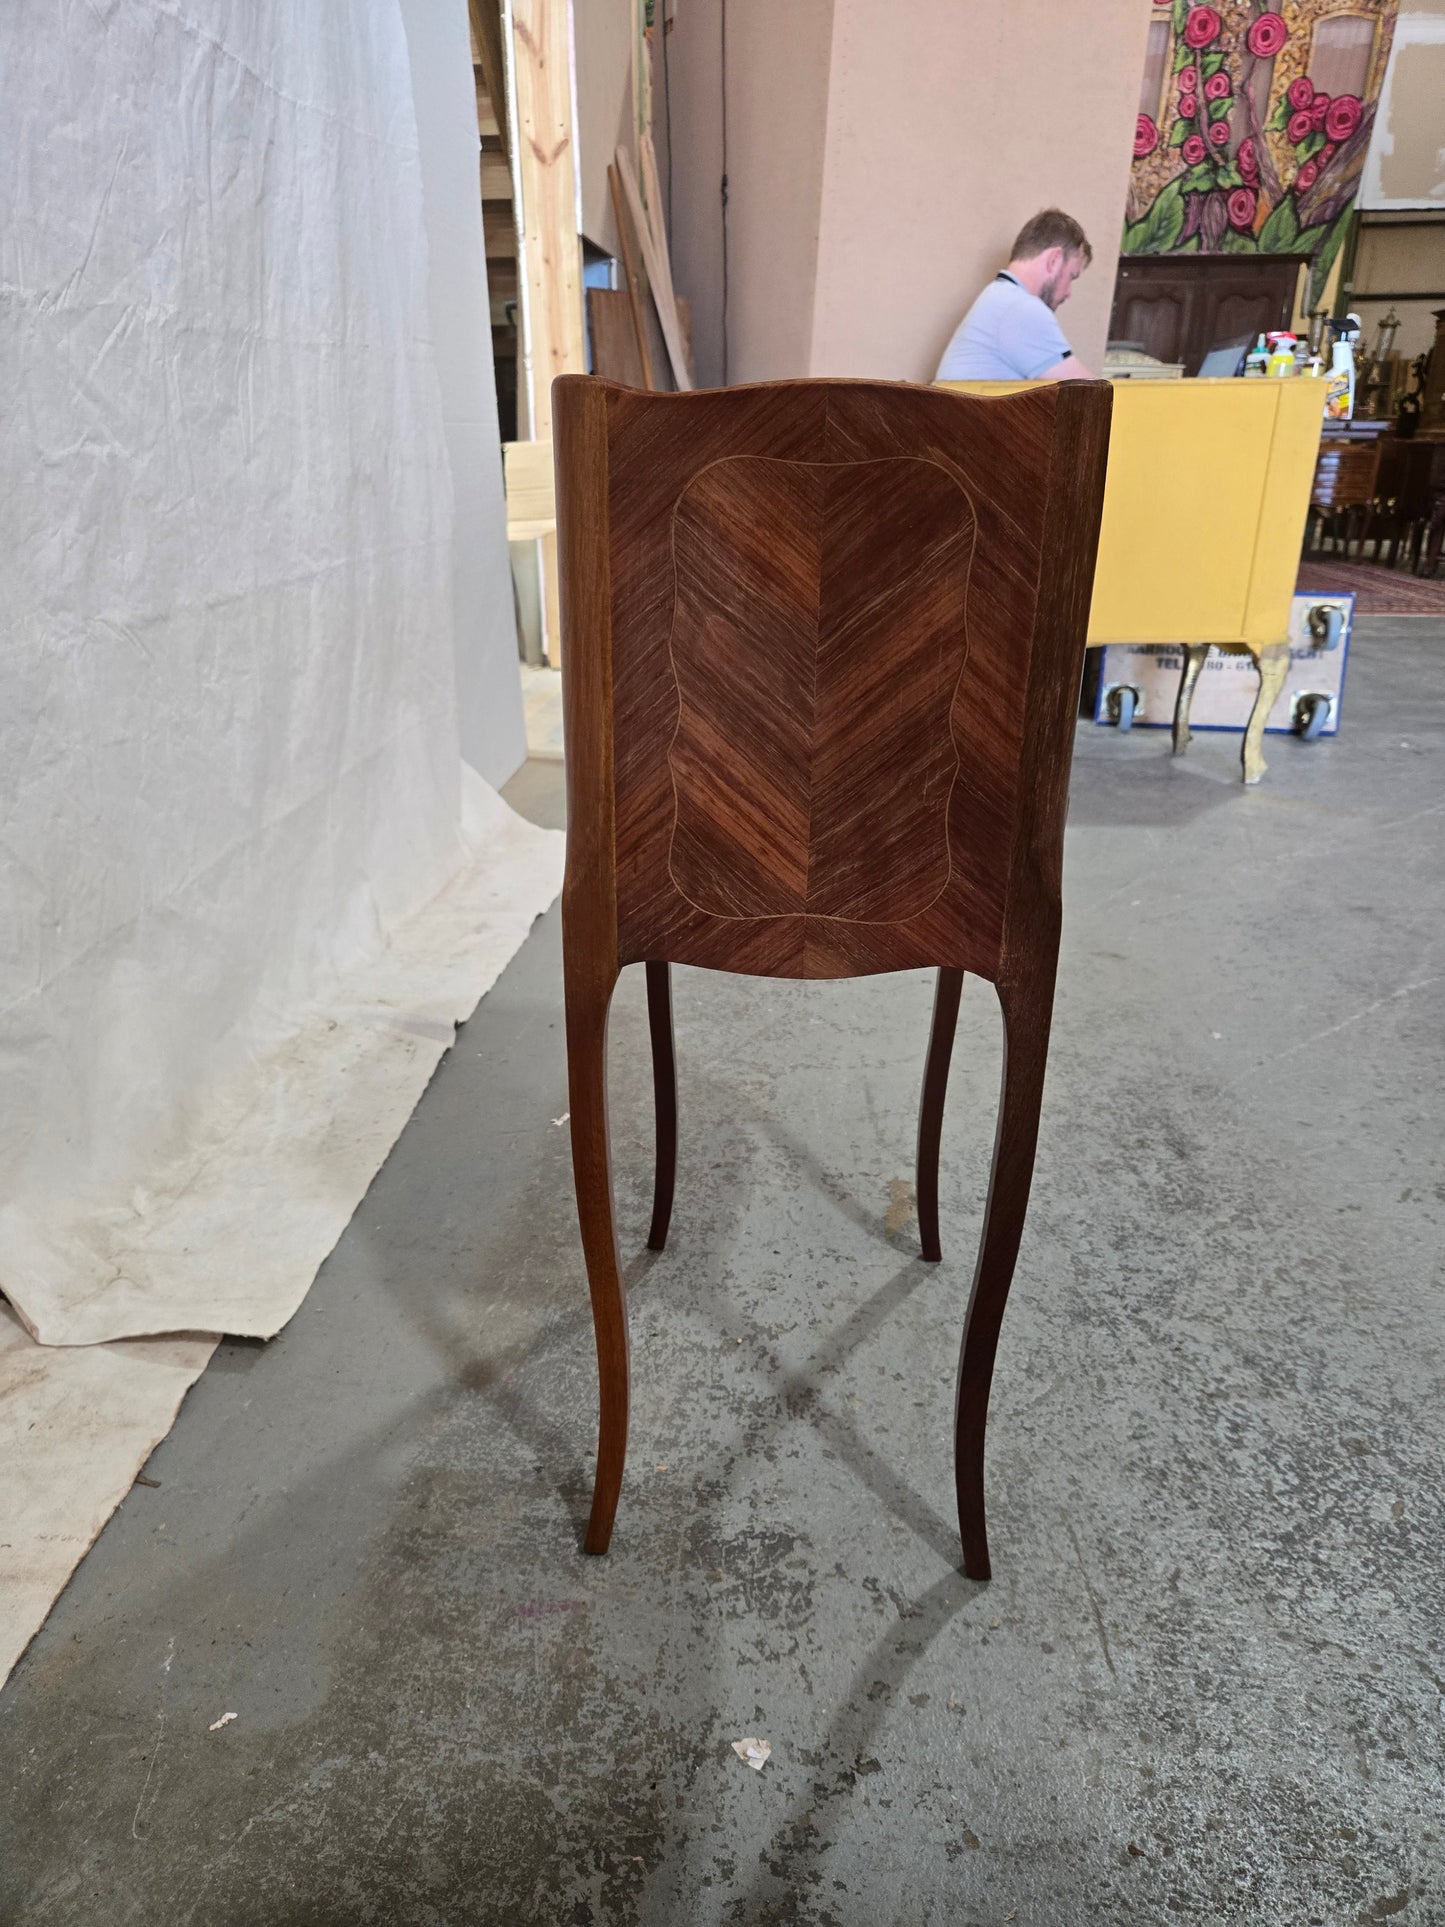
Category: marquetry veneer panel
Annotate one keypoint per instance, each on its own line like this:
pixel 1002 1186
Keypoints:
pixel 815 664
pixel 816 765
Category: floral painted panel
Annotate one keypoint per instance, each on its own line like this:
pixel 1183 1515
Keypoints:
pixel 1253 126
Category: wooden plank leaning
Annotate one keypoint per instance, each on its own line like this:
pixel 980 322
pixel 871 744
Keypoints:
pixel 657 272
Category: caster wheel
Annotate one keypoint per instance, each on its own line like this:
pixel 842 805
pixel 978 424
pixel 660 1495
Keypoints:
pixel 1122 705
pixel 1326 625
pixel 1310 716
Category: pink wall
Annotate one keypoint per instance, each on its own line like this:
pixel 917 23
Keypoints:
pixel 694 169
pixel 949 123
pixel 881 158
pixel 777 106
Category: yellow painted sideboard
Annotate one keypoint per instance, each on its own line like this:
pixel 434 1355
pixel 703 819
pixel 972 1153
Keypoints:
pixel 1204 514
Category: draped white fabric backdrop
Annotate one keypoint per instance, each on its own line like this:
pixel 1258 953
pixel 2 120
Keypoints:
pixel 229 755
pixel 243 898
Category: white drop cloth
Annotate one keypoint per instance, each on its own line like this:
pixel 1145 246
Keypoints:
pixel 240 907
pixel 76 1423
pixel 226 1233
pixel 233 1233
pixel 229 764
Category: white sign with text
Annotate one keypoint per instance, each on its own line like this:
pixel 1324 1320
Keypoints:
pixel 1229 683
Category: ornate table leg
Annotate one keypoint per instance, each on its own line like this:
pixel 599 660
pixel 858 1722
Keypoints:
pixel 1027 1006
pixel 930 1110
pixel 1194 654
pixel 1427 560
pixel 587 1006
pixel 1273 667
pixel 664 1094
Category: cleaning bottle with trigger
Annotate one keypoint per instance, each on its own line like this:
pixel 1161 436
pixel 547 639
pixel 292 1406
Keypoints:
pixel 1340 391
pixel 1281 353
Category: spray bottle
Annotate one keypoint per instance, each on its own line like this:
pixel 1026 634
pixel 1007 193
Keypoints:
pixel 1281 353
pixel 1340 391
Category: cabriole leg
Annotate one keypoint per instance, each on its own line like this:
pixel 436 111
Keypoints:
pixel 930 1111
pixel 1273 666
pixel 1194 655
pixel 587 1007
pixel 664 1093
pixel 1027 1009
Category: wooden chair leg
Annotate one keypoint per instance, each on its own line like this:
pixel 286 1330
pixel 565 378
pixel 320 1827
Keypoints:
pixel 1273 667
pixel 664 1094
pixel 930 1111
pixel 1194 655
pixel 1027 1010
pixel 587 1007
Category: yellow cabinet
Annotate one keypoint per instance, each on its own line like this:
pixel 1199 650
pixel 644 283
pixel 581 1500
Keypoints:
pixel 1204 513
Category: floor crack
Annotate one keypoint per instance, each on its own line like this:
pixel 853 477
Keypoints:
pixel 1093 1599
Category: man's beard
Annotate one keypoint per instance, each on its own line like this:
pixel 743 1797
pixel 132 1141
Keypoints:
pixel 1052 292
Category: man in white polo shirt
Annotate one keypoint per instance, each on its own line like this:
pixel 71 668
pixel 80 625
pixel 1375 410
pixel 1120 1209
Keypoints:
pixel 1010 333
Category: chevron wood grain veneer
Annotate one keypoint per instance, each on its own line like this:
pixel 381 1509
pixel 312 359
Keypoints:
pixel 823 643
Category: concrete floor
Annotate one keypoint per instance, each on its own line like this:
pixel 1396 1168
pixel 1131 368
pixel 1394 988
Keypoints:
pixel 1207 1682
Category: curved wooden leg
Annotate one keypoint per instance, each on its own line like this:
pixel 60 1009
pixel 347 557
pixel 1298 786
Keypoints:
pixel 587 1006
pixel 664 1096
pixel 1273 666
pixel 1194 655
pixel 1027 1010
pixel 930 1110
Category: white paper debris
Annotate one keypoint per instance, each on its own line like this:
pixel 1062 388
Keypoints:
pixel 756 1753
pixel 225 1720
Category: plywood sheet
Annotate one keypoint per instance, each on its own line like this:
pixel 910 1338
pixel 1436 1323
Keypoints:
pixel 657 271
pixel 651 349
pixel 615 353
pixel 531 490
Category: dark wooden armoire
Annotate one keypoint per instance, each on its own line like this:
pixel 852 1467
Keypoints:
pixel 1180 306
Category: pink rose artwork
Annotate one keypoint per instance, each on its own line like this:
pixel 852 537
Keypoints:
pixel 1319 110
pixel 1248 160
pixel 1187 80
pixel 1242 203
pixel 1326 154
pixel 1219 133
pixel 1217 87
pixel 1301 93
pixel 1343 116
pixel 1201 26
pixel 1300 126
pixel 1188 106
pixel 1266 36
pixel 1146 137
pixel 1193 151
pixel 1306 178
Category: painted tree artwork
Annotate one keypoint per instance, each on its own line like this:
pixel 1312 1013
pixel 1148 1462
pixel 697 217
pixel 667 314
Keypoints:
pixel 1254 122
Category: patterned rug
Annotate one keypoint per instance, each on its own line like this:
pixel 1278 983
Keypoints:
pixel 1377 591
